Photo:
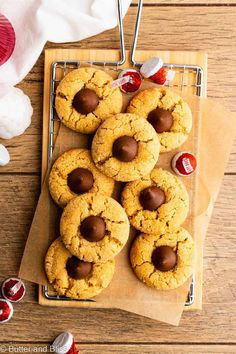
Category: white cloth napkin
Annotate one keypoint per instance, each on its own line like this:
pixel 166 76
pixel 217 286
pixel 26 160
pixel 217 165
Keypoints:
pixel 38 21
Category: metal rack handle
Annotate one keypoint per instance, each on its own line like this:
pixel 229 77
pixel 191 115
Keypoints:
pixel 135 36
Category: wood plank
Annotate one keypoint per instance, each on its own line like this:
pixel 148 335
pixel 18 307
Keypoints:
pixel 216 323
pixel 186 2
pixel 25 154
pixel 231 166
pixel 18 198
pixel 124 348
pixel 221 231
pixel 155 349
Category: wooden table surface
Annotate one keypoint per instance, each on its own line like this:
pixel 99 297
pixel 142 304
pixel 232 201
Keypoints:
pixel 166 25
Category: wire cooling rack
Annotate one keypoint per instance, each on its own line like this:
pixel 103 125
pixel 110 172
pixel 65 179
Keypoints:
pixel 186 77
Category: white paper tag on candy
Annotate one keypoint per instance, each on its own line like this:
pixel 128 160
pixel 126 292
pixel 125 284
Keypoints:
pixel 121 81
pixel 170 76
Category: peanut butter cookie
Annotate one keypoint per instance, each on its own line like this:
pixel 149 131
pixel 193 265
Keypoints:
pixel 74 173
pixel 94 228
pixel 125 147
pixel 156 203
pixel 84 99
pixel 74 278
pixel 163 261
pixel 168 113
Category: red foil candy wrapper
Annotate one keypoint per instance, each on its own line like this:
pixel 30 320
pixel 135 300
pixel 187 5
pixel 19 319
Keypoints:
pixel 65 344
pixel 160 77
pixel 153 69
pixel 134 83
pixel 6 310
pixel 184 163
pixel 13 289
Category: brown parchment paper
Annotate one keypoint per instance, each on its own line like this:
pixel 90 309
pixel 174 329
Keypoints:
pixel 210 139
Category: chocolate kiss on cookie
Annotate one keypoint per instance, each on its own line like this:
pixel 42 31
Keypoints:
pixel 164 258
pixel 78 269
pixel 85 101
pixel 125 148
pixel 80 180
pixel 160 119
pixel 152 198
pixel 93 228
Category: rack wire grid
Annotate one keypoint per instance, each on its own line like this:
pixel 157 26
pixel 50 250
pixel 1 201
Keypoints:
pixel 187 77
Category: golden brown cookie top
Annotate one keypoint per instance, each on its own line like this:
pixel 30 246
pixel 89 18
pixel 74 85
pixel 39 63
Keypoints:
pixel 73 278
pixel 125 147
pixel 85 98
pixel 94 240
pixel 74 173
pixel 156 203
pixel 169 114
pixel 163 261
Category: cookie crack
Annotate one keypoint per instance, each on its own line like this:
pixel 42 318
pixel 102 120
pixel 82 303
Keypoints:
pixel 62 95
pixel 140 265
pixel 101 162
pixel 116 241
pixel 117 173
pixel 91 78
pixel 68 118
pixel 99 118
pixel 153 272
pixel 144 141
